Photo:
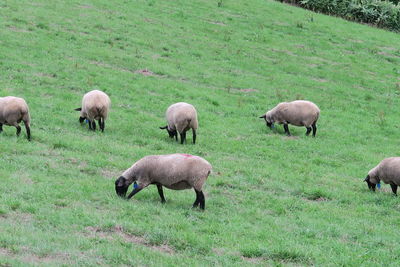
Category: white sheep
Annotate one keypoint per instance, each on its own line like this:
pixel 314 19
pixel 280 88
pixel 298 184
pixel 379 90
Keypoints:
pixel 95 106
pixel 388 170
pixel 13 110
pixel 174 171
pixel 180 118
pixel 298 113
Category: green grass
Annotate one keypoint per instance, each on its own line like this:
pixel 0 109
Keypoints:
pixel 271 200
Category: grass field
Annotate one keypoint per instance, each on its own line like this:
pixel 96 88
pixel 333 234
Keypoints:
pixel 271 200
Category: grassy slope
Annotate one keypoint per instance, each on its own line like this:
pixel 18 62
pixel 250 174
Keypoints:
pixel 57 201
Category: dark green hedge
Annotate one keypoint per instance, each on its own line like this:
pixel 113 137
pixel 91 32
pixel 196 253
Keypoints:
pixel 385 14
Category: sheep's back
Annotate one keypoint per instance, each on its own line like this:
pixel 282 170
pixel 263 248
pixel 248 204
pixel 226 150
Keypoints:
pixel 95 104
pixel 12 108
pixel 171 170
pixel 179 114
pixel 299 112
pixel 389 170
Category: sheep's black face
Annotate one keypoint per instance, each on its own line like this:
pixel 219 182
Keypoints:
pixel 121 187
pixel 270 125
pixel 81 119
pixel 171 133
pixel 371 186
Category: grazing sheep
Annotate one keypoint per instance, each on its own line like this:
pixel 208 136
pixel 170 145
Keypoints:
pixel 299 113
pixel 95 106
pixel 388 170
pixel 13 110
pixel 181 117
pixel 174 171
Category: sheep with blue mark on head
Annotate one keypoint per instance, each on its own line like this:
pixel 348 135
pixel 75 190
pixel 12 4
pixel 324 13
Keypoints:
pixel 388 171
pixel 298 113
pixel 174 171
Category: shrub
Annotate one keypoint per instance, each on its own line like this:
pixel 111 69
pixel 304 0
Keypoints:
pixel 385 14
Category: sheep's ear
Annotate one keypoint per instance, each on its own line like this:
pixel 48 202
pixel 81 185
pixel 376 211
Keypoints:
pixel 262 117
pixel 163 128
pixel 78 109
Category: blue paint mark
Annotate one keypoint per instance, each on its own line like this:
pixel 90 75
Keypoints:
pixel 379 185
pixel 135 185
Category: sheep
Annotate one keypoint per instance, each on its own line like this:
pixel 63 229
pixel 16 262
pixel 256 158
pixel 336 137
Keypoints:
pixel 95 106
pixel 388 170
pixel 174 171
pixel 181 117
pixel 13 110
pixel 298 113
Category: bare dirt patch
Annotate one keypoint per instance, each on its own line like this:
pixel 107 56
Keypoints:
pixel 253 260
pixel 146 72
pixel 242 90
pixel 15 29
pixel 216 22
pixel 319 80
pixel 5 252
pixel 321 199
pixel 15 216
pixel 48 75
pixel 31 258
pixel 127 237
pixel 247 90
pixel 385 53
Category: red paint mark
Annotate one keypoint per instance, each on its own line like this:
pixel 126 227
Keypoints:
pixel 187 155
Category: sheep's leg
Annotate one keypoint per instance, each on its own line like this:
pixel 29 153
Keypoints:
pixel 135 191
pixel 18 129
pixel 176 136
pixel 194 136
pixel 28 130
pixel 199 200
pixel 94 125
pixel 314 129
pixel 90 124
pixel 286 127
pixel 1 127
pixel 161 193
pixel 308 131
pixel 202 200
pixel 101 125
pixel 183 137
pixel 394 188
